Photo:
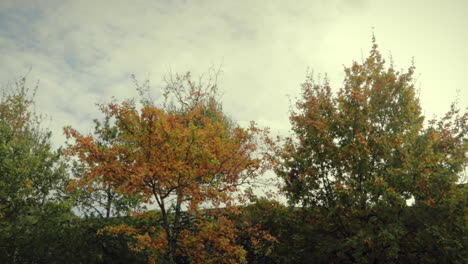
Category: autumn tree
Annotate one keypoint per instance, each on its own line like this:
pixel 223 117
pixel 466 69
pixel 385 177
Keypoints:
pixel 98 197
pixel 183 156
pixel 361 157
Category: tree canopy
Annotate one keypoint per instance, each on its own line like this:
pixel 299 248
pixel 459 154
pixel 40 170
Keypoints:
pixel 32 178
pixel 364 160
pixel 179 158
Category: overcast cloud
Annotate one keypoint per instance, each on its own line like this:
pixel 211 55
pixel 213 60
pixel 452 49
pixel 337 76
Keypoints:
pixel 84 52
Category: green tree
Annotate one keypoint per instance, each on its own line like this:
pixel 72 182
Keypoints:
pixel 32 178
pixel 360 156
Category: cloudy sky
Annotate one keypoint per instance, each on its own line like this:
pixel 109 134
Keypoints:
pixel 84 52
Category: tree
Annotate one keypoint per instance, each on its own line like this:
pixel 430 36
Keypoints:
pixel 183 157
pixel 32 178
pixel 359 157
pixel 98 197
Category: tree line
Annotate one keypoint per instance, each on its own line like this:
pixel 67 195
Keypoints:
pixel 367 179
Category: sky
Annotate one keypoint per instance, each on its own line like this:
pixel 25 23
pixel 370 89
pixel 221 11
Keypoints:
pixel 84 52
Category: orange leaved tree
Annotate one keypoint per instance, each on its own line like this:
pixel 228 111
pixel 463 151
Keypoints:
pixel 183 157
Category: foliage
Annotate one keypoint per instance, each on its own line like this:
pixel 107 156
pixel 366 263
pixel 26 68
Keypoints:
pixel 32 176
pixel 268 231
pixel 361 156
pixel 98 197
pixel 76 240
pixel 181 157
